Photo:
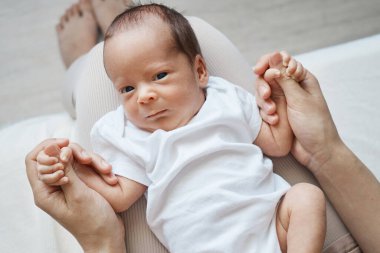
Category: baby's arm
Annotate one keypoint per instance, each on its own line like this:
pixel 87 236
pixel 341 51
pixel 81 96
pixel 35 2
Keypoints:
pixel 120 196
pixel 276 140
pixel 53 164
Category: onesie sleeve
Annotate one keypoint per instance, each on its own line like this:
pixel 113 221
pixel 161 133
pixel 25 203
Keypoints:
pixel 107 141
pixel 250 111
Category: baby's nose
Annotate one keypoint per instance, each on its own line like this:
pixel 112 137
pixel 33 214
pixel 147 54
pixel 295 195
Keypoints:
pixel 146 95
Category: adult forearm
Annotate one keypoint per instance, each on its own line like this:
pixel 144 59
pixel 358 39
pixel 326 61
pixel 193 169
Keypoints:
pixel 355 193
pixel 107 249
pixel 111 244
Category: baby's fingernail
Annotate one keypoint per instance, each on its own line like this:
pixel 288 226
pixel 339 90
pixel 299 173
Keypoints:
pixel 263 89
pixel 104 163
pixel 85 154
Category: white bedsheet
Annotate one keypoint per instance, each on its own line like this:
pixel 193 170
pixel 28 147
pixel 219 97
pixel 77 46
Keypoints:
pixel 349 75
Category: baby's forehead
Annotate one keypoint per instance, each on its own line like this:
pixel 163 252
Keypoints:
pixel 152 25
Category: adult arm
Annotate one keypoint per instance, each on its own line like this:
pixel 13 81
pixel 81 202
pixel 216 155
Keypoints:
pixel 81 210
pixel 351 187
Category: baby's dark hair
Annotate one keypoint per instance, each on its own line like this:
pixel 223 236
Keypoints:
pixel 183 35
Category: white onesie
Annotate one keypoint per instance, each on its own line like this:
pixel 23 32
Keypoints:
pixel 209 188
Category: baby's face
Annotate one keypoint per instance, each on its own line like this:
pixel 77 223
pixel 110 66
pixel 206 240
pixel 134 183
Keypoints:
pixel 159 88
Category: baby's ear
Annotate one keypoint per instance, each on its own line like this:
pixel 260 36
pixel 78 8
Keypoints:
pixel 201 71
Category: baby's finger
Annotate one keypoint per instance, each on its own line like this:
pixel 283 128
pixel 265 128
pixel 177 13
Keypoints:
pixel 103 168
pixel 62 181
pixel 48 169
pixel 270 119
pixel 100 164
pixel 285 58
pixel 291 67
pixel 299 72
pixel 52 178
pixel 263 90
pixel 43 158
pixel 80 154
pixel 269 107
pixel 110 178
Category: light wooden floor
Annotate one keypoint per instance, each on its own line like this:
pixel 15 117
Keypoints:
pixel 31 70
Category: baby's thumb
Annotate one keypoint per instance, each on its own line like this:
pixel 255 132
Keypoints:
pixel 75 186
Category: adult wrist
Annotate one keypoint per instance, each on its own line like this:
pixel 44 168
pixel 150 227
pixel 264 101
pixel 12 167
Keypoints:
pixel 110 242
pixel 106 246
pixel 330 155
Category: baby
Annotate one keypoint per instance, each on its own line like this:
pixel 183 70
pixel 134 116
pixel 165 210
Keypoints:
pixel 185 138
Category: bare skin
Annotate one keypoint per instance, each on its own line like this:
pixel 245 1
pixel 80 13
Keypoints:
pixel 349 184
pixel 77 31
pixel 301 214
pixel 82 211
pixel 106 10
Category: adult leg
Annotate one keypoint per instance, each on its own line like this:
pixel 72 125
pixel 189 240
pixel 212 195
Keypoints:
pixel 77 33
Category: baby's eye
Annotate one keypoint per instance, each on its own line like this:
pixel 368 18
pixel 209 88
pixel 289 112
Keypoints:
pixel 161 75
pixel 127 89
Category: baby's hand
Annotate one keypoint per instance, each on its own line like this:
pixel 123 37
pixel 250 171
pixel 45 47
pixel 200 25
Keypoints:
pixel 283 66
pixel 50 167
pixel 274 70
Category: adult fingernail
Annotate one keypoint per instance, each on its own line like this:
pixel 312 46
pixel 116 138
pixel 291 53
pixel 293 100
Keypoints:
pixel 64 156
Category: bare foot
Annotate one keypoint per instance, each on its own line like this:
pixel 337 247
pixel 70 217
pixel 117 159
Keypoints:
pixel 77 31
pixel 106 10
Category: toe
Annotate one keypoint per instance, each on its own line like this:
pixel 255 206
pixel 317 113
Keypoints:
pixel 85 5
pixel 75 11
pixel 59 27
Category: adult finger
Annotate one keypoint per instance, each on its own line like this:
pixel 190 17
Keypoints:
pixel 262 65
pixel 271 74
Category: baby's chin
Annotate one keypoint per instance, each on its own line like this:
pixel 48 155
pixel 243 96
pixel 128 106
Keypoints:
pixel 165 126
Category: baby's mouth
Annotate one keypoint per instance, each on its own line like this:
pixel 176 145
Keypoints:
pixel 156 114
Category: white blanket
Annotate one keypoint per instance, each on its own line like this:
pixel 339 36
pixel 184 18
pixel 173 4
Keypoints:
pixel 348 73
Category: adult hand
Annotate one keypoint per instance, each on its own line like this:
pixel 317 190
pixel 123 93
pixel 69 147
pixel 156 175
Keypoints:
pixel 309 116
pixel 81 210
